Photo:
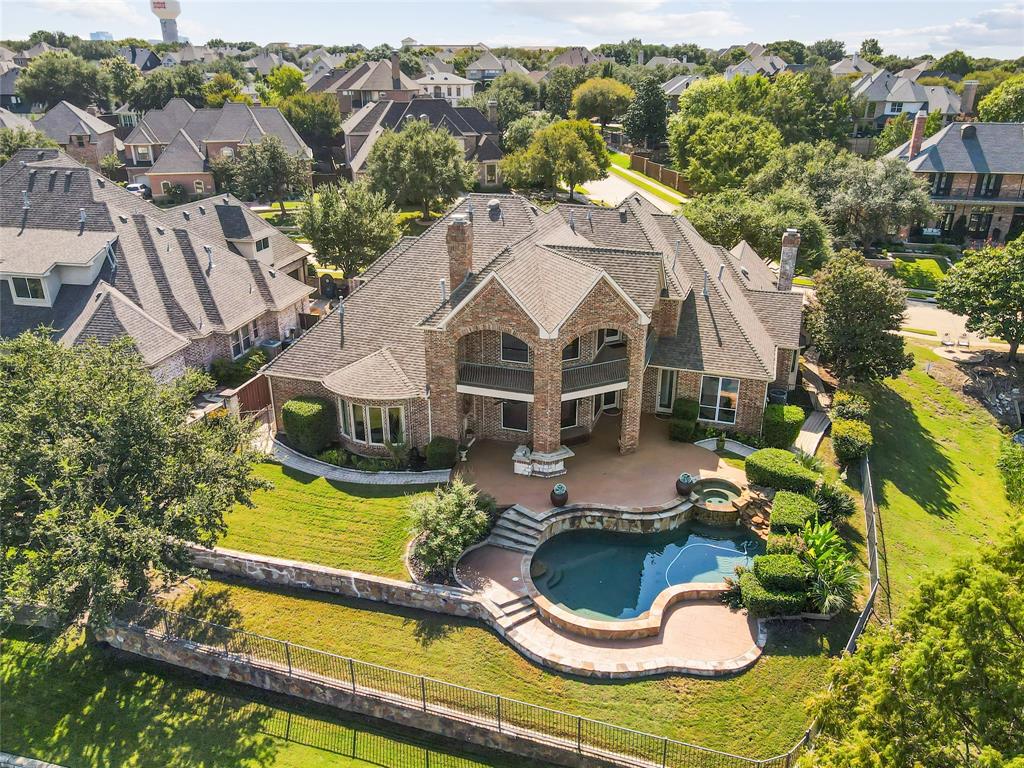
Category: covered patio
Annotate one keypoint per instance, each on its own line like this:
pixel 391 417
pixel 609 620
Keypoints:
pixel 598 472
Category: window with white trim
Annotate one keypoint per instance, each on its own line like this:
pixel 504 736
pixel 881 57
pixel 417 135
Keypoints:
pixel 199 187
pixel 396 425
pixel 28 288
pixel 358 423
pixel 142 152
pixel 514 349
pixel 244 338
pixel 374 424
pixel 896 107
pixel 666 389
pixel 262 244
pixel 227 152
pixel 571 351
pixel 491 173
pixel 165 187
pixel 346 418
pixel 514 415
pixel 719 397
pixel 376 420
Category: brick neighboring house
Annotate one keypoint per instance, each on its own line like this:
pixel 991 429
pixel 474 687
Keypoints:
pixel 886 95
pixel 84 256
pixel 479 137
pixel 528 326
pixel 82 135
pixel 174 145
pixel 369 82
pixel 975 172
pixel 488 67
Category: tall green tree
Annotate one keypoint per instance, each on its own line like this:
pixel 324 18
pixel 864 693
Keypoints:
pixel 349 225
pixel 956 61
pixel 987 286
pixel 721 150
pixel 601 98
pixel 514 95
pixel 314 115
pixel 103 484
pixel 267 171
pixel 122 76
pixel 520 132
pixel 569 151
pixel 895 133
pixel 1005 104
pixel 61 76
pixel 284 81
pixel 870 47
pixel 646 120
pixel 163 84
pixel 222 88
pixel 419 164
pixel 942 685
pixel 558 87
pixel 854 318
pixel 13 139
pixel 829 49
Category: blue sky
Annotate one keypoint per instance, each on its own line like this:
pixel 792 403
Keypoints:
pixel 993 28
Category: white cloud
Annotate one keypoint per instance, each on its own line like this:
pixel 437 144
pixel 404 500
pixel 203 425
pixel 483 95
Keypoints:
pixel 93 10
pixel 991 30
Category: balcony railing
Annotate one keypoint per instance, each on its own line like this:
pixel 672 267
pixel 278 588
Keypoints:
pixel 581 377
pixel 498 377
pixel 610 367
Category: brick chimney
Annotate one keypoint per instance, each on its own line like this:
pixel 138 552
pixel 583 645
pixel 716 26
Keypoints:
pixel 787 263
pixel 459 239
pixel 917 134
pixel 968 97
pixel 396 72
pixel 492 112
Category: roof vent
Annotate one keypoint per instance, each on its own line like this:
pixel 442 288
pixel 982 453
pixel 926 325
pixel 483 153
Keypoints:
pixel 444 290
pixel 159 230
pixel 25 165
pixel 675 256
pixel 101 183
pixel 590 217
pixel 493 204
pixel 123 218
pixel 721 271
pixel 745 272
pixel 186 215
pixel 705 291
pixel 622 215
pixel 572 221
pixel 202 211
pixel 968 131
pixel 272 271
pixel 469 211
pixel 25 202
pixel 226 199
pixel 209 257
pixel 81 215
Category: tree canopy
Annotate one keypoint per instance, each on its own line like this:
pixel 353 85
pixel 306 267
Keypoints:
pixel 987 286
pixel 601 98
pixel 102 481
pixel 314 115
pixel 121 77
pixel 284 81
pixel 854 317
pixel 13 139
pixel 514 95
pixel 558 87
pixel 569 151
pixel 722 149
pixel 222 88
pixel 1005 103
pixel 161 85
pixel 646 118
pixel 895 133
pixel 520 132
pixel 57 76
pixel 267 171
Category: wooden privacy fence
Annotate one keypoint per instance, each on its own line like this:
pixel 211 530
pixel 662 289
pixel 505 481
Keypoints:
pixel 253 396
pixel 666 176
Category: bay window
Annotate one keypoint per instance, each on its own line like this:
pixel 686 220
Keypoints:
pixel 373 424
pixel 719 397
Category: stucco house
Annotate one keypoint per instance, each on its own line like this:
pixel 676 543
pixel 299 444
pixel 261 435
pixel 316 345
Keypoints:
pixel 89 259
pixel 447 86
pixel 509 323
pixel 81 134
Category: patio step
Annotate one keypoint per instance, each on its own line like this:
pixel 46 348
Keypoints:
pixel 500 540
pixel 509 622
pixel 514 603
pixel 526 513
pixel 517 531
pixel 520 520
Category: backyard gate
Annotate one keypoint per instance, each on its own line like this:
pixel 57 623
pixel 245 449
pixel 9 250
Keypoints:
pixel 253 396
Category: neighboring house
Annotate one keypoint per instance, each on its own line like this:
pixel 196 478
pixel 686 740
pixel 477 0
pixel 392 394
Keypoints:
pixel 674 88
pixel 528 326
pixel 765 64
pixel 82 135
pixel 926 68
pixel 13 120
pixel 170 59
pixel 174 145
pixel 432 65
pixel 488 67
pixel 750 49
pixel 975 172
pixel 9 98
pixel 670 62
pixel 444 51
pixel 852 65
pixel 576 56
pixel 264 63
pixel 6 54
pixel 886 95
pixel 22 59
pixel 479 137
pixel 320 56
pixel 366 83
pixel 89 259
pixel 143 58
pixel 451 88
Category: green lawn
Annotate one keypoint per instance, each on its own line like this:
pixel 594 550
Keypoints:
pixel 410 223
pixel 935 477
pixel 71 703
pixel 923 273
pixel 758 713
pixel 620 159
pixel 355 527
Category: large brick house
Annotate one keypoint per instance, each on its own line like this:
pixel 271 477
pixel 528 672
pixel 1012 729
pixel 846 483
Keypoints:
pixel 174 145
pixel 510 323
pixel 82 135
pixel 85 257
pixel 975 173
pixel 366 83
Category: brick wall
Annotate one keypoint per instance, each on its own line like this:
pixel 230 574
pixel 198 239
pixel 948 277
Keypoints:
pixel 665 317
pixel 187 180
pixel 169 369
pixel 92 153
pixel 783 369
pixel 749 409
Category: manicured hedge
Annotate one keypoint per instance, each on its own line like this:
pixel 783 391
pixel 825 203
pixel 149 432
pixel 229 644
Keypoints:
pixel 851 440
pixel 440 452
pixel 790 511
pixel 781 425
pixel 849 405
pixel 785 544
pixel 681 430
pixel 310 423
pixel 763 602
pixel 784 572
pixel 683 408
pixel 779 469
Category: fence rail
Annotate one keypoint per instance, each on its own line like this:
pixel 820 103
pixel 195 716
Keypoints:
pixel 583 735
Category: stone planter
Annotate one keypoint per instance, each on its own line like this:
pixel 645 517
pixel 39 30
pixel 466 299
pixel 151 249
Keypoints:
pixel 684 484
pixel 559 495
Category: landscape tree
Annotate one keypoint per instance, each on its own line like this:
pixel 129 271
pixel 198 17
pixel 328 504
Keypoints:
pixel 814 168
pixel 222 88
pixel 933 124
pixel 569 151
pixel 721 150
pixel 1005 104
pixel 110 164
pixel 987 286
pixel 829 49
pixel 941 686
pixel 854 318
pixel 514 94
pixel 558 87
pixel 234 67
pixel 956 62
pixel 267 171
pixel 806 106
pixel 349 225
pixel 646 120
pixel 314 115
pixel 61 76
pixel 601 98
pixel 161 85
pixel 284 81
pixel 1011 469
pixel 13 139
pixel 895 133
pixel 225 173
pixel 121 76
pixel 419 164
pixel 104 482
pixel 520 132
pixel 870 47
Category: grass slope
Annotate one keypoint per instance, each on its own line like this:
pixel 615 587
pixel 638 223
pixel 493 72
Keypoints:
pixel 355 527
pixel 758 713
pixel 923 273
pixel 621 161
pixel 71 703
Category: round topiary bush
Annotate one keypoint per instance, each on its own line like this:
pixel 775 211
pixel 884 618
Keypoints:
pixel 683 408
pixel 781 425
pixel 763 602
pixel 850 405
pixel 783 571
pixel 790 511
pixel 440 452
pixel 851 439
pixel 310 423
pixel 779 469
pixel 681 430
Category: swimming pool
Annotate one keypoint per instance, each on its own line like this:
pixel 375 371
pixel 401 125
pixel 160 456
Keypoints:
pixel 607 575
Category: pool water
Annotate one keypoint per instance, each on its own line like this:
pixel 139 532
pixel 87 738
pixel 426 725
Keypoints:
pixel 716 491
pixel 606 575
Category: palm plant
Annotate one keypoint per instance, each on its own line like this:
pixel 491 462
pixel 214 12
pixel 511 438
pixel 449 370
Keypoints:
pixel 808 460
pixel 834 579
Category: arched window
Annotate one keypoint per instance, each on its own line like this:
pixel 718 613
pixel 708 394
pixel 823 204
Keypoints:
pixel 513 349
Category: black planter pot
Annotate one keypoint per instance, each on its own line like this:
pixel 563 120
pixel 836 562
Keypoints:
pixel 683 489
pixel 559 499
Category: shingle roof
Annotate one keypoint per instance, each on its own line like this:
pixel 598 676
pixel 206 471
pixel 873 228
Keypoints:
pixel 680 83
pixel 9 119
pixel 64 120
pixel 969 148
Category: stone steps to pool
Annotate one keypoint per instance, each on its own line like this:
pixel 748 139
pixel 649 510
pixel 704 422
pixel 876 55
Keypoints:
pixel 515 612
pixel 498 539
pixel 521 520
pixel 510 531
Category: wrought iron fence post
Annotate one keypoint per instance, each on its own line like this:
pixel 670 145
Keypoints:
pixel 579 734
pixel 352 673
pixel 664 753
pixel 423 691
pixel 288 656
pixel 498 700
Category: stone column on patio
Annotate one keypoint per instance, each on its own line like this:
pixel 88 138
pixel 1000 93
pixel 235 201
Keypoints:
pixel 632 397
pixel 547 396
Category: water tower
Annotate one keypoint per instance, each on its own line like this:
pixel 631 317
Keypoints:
pixel 168 12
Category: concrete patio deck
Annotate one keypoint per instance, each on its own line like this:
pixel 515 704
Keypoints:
pixel 598 473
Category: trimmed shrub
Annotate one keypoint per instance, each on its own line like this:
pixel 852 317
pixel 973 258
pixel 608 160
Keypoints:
pixel 785 544
pixel 779 469
pixel 310 423
pixel 446 522
pixel 781 425
pixel 440 452
pixel 790 511
pixel 850 405
pixel 336 456
pixel 784 572
pixel 683 408
pixel 233 373
pixel 834 502
pixel 851 440
pixel 762 602
pixel 681 430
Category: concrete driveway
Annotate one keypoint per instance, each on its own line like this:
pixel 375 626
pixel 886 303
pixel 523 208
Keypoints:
pixel 614 189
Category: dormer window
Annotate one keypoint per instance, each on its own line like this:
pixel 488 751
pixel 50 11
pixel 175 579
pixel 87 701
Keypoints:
pixel 227 152
pixel 79 140
pixel 142 152
pixel 262 244
pixel 29 288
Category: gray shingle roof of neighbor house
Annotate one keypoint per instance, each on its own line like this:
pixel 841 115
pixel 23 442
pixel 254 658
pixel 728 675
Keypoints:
pixel 679 83
pixel 65 119
pixel 576 56
pixel 852 65
pixel 9 119
pixel 969 148
pixel 549 261
pixel 156 259
pixel 368 76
